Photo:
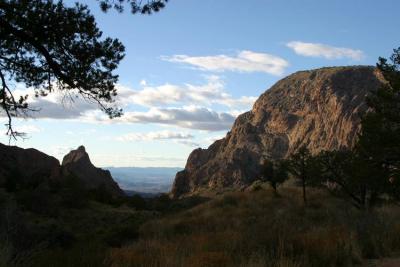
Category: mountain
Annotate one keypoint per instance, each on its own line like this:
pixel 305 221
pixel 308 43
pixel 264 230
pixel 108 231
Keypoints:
pixel 20 166
pixel 319 109
pixel 78 164
pixel 26 165
pixel 146 181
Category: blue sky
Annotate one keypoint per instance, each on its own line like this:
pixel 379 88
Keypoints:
pixel 192 68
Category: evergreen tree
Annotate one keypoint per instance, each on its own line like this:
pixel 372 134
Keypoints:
pixel 47 45
pixel 345 173
pixel 275 173
pixel 372 168
pixel 302 165
pixel 379 141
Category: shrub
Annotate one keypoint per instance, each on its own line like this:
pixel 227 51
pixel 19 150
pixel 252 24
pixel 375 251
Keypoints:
pixel 137 202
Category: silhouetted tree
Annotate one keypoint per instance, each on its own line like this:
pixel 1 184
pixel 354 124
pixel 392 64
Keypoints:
pixel 46 45
pixel 275 173
pixel 346 173
pixel 302 165
pixel 379 140
pixel 136 6
pixel 372 168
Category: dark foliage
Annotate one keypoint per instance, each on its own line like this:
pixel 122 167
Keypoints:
pixel 136 6
pixel 49 46
pixel 275 173
pixel 370 172
pixel 379 142
pixel 137 202
pixel 346 174
pixel 303 166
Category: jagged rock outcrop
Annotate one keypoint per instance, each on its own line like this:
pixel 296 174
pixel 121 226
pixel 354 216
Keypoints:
pixel 32 166
pixel 320 109
pixel 26 164
pixel 77 163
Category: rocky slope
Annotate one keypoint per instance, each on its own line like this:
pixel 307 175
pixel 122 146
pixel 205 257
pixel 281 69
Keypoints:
pixel 78 164
pixel 320 109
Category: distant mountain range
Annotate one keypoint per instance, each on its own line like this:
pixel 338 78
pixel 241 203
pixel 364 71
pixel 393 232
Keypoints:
pixel 145 181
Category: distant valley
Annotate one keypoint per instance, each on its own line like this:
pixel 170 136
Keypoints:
pixel 144 181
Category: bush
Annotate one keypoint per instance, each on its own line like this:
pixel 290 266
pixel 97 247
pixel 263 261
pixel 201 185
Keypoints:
pixel 121 235
pixel 137 202
pixel 72 193
pixel 5 254
pixel 38 200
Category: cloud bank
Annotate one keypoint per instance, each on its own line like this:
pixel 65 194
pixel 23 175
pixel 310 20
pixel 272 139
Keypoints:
pixel 325 51
pixel 212 92
pixel 159 135
pixel 244 61
pixel 186 106
pixel 177 137
pixel 189 117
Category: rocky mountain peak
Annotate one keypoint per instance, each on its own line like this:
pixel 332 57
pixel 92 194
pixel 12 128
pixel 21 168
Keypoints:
pixel 78 164
pixel 32 165
pixel 320 109
pixel 77 155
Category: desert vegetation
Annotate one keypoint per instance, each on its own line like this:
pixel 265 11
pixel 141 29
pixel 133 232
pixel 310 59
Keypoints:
pixel 260 228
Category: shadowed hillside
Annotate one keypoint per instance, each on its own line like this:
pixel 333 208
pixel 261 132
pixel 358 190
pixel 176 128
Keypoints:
pixel 258 228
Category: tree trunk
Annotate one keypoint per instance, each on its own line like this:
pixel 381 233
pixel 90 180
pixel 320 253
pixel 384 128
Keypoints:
pixel 274 186
pixel 304 191
pixel 363 197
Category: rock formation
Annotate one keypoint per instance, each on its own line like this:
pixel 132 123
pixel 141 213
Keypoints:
pixel 33 166
pixel 320 109
pixel 78 164
pixel 26 164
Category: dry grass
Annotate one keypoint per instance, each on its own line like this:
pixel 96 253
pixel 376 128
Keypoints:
pixel 260 229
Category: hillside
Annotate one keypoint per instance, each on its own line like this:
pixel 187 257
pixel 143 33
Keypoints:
pixel 319 109
pixel 260 229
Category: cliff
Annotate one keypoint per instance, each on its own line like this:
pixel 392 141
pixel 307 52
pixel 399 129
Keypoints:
pixel 320 109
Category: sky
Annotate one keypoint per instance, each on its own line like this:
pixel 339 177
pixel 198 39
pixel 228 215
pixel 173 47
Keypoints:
pixel 192 68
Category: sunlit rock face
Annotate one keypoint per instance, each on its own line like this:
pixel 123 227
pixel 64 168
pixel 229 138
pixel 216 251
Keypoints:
pixel 320 109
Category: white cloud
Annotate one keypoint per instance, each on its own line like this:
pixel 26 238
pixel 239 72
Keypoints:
pixel 56 105
pixel 210 140
pixel 190 117
pixel 27 129
pixel 134 159
pixel 159 100
pixel 159 135
pixel 326 51
pixel 189 143
pixel 60 151
pixel 244 61
pixel 212 92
